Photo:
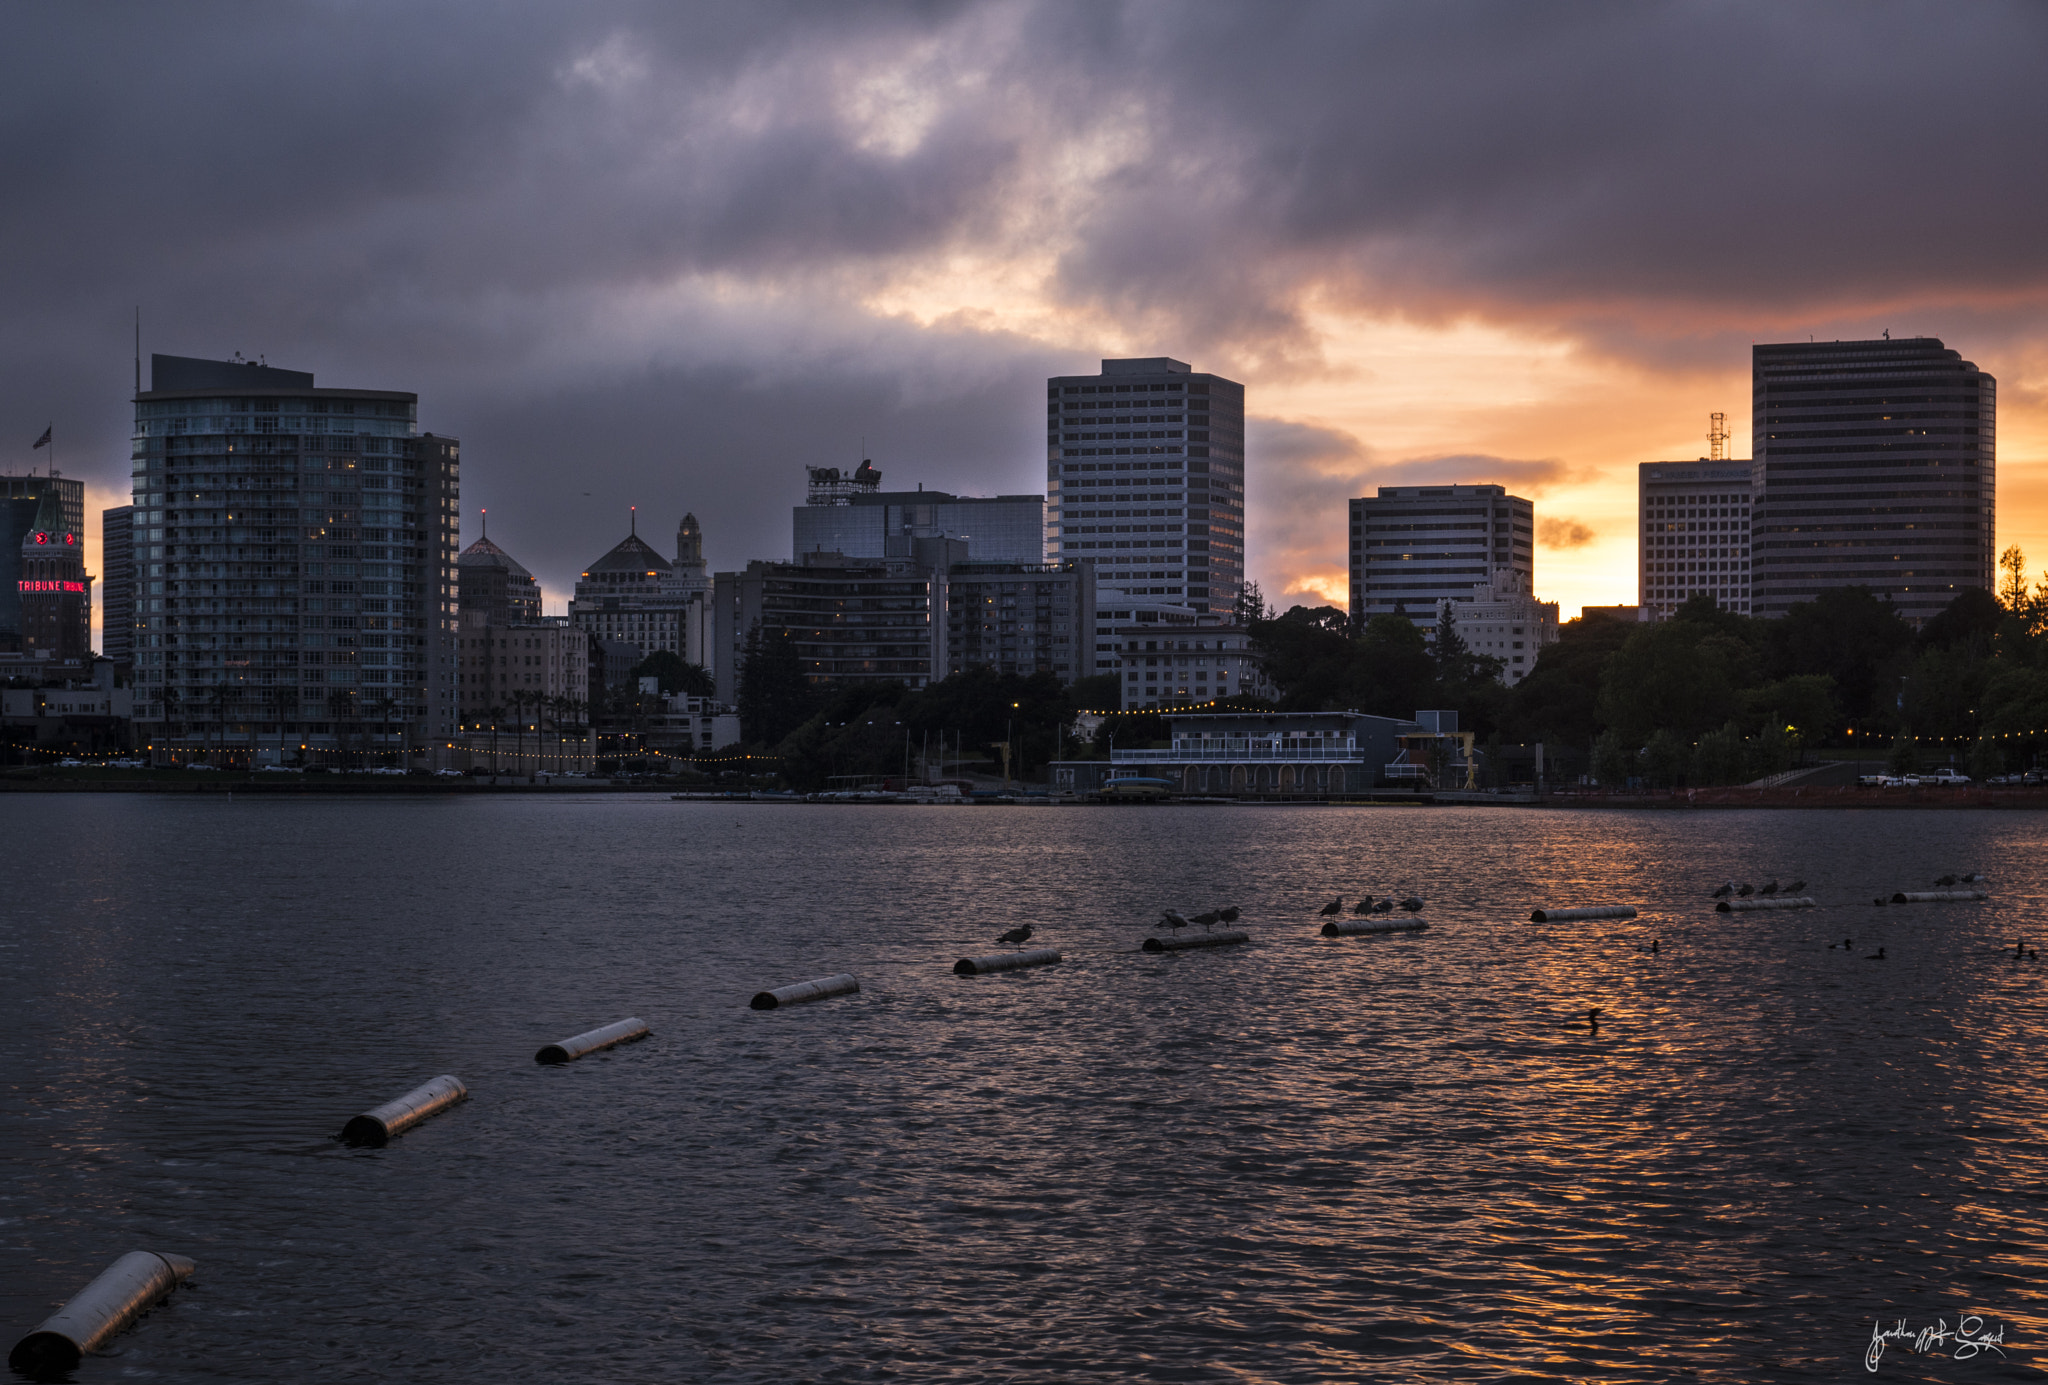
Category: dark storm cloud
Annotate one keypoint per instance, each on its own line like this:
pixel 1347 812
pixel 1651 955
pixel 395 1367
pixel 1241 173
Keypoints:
pixel 626 248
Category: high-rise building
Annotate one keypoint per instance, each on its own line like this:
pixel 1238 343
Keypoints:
pixel 1878 464
pixel 1693 520
pixel 56 594
pixel 1501 621
pixel 492 583
pixel 635 595
pixel 849 513
pixel 851 620
pixel 1019 618
pixel 1414 546
pixel 21 503
pixel 1145 479
pixel 295 560
pixel 117 587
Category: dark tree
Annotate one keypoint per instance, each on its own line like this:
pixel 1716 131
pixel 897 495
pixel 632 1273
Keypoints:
pixel 775 696
pixel 677 674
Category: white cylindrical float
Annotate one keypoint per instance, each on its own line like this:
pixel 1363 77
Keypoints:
pixel 1937 896
pixel 803 991
pixel 122 1293
pixel 1004 961
pixel 1590 911
pixel 1178 944
pixel 1351 928
pixel 569 1050
pixel 1743 906
pixel 376 1127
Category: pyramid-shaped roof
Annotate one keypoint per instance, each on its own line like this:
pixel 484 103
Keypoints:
pixel 484 553
pixel 633 554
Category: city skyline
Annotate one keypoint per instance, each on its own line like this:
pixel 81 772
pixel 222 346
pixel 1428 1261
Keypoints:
pixel 871 235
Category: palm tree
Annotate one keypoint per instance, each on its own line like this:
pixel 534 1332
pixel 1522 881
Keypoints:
pixel 282 697
pixel 496 712
pixel 386 705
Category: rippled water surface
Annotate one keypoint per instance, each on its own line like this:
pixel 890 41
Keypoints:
pixel 1306 1159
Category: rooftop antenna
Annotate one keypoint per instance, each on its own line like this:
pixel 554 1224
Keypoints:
pixel 635 522
pixel 486 513
pixel 138 349
pixel 1717 438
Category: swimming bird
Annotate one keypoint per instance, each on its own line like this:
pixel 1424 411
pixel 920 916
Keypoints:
pixel 1170 919
pixel 1747 890
pixel 1769 889
pixel 1019 935
pixel 1228 915
pixel 1593 1019
pixel 1946 881
pixel 1972 878
pixel 1653 947
pixel 1845 945
pixel 1412 904
pixel 1877 956
pixel 1795 887
pixel 1207 920
pixel 1724 891
pixel 1335 906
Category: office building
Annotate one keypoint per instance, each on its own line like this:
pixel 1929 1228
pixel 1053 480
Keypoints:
pixel 117 588
pixel 1145 479
pixel 1694 523
pixel 295 558
pixel 54 592
pixel 635 596
pixel 1414 546
pixel 850 514
pixel 852 620
pixel 1878 469
pixel 21 513
pixel 490 582
pixel 1166 655
pixel 1501 621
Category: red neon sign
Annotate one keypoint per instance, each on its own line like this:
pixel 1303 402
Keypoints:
pixel 28 586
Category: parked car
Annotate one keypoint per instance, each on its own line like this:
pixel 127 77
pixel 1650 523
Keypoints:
pixel 279 769
pixel 1946 776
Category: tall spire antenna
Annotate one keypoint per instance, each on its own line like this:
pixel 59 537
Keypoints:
pixel 635 522
pixel 486 513
pixel 138 349
pixel 1717 438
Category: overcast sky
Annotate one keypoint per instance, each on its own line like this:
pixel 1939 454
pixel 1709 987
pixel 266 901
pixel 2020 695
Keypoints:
pixel 667 254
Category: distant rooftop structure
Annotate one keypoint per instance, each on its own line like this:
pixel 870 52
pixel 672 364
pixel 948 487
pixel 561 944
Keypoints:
pixel 830 486
pixel 192 373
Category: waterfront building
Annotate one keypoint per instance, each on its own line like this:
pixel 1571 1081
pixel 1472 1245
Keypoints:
pixel 299 546
pixel 1415 546
pixel 1878 468
pixel 683 725
pixel 529 671
pixel 850 514
pixel 53 593
pixel 1694 530
pixel 852 620
pixel 89 713
pixel 21 514
pixel 1504 622
pixel 493 583
pixel 1261 754
pixel 1145 478
pixel 117 588
pixel 634 595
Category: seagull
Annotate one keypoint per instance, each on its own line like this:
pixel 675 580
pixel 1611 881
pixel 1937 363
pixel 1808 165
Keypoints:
pixel 1946 881
pixel 1972 878
pixel 1228 915
pixel 1385 906
pixel 1724 891
pixel 1209 919
pixel 1335 906
pixel 1877 956
pixel 1769 889
pixel 1172 920
pixel 1411 904
pixel 1020 935
pixel 1747 890
pixel 1364 905
pixel 1795 887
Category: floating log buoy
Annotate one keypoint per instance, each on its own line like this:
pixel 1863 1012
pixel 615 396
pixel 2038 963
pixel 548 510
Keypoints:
pixel 1590 911
pixel 1195 940
pixel 1351 928
pixel 1937 896
pixel 1743 906
pixel 569 1050
pixel 1004 961
pixel 122 1293
pixel 376 1127
pixel 803 991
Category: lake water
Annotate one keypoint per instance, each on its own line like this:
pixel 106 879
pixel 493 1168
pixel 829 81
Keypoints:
pixel 1393 1159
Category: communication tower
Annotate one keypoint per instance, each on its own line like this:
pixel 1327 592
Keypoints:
pixel 1717 438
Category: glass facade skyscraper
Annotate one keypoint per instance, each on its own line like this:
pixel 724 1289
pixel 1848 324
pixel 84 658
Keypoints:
pixel 1145 479
pixel 1878 468
pixel 294 560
